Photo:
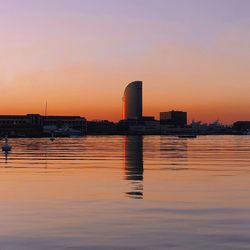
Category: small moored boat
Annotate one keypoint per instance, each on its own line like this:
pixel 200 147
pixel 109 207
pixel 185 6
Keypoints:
pixel 52 138
pixel 6 147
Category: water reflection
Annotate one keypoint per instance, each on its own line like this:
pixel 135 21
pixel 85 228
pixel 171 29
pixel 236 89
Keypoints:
pixel 134 165
pixel 6 153
pixel 80 196
pixel 174 152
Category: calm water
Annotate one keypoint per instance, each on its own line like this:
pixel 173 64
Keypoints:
pixel 114 192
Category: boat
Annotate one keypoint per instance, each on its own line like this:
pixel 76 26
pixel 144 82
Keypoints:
pixel 6 147
pixel 187 136
pixel 52 138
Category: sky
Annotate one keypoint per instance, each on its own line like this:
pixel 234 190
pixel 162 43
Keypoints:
pixel 79 55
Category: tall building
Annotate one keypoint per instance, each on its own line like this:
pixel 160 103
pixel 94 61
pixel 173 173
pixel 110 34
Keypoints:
pixel 175 118
pixel 132 101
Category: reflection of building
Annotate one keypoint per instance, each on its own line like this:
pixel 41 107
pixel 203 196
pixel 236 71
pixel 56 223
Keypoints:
pixel 174 153
pixel 175 118
pixel 132 101
pixel 6 153
pixel 134 165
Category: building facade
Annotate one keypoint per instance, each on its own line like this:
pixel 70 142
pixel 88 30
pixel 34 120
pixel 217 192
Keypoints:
pixel 34 124
pixel 132 101
pixel 174 118
pixel 242 126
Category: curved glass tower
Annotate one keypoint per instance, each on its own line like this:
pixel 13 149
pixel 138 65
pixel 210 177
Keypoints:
pixel 132 101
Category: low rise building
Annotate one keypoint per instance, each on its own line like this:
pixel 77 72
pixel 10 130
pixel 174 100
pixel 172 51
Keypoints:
pixel 241 126
pixel 174 118
pixel 38 125
pixel 143 126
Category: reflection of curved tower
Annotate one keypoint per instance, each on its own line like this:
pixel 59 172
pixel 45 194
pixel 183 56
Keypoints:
pixel 134 165
pixel 132 101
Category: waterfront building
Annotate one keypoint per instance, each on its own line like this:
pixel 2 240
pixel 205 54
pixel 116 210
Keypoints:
pixel 174 118
pixel 146 125
pixel 242 126
pixel 101 127
pixel 37 125
pixel 132 101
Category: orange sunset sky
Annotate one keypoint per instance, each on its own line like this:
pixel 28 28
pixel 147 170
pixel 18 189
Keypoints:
pixel 80 55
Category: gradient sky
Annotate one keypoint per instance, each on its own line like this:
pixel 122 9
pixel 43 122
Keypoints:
pixel 79 55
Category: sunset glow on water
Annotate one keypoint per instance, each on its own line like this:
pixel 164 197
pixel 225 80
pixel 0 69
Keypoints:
pixel 123 192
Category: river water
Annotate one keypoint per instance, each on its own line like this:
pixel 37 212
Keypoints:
pixel 126 192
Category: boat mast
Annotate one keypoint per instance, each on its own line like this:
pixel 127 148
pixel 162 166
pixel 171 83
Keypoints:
pixel 46 105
